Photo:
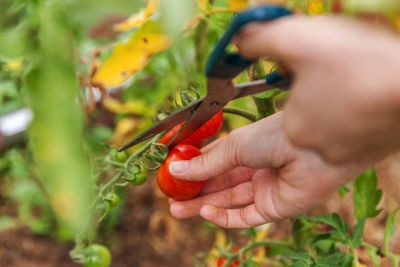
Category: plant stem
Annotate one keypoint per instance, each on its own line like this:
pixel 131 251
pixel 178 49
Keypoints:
pixel 265 106
pixel 355 257
pixel 274 244
pixel 135 156
pixel 393 257
pixel 240 112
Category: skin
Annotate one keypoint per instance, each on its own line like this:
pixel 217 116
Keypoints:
pixel 342 117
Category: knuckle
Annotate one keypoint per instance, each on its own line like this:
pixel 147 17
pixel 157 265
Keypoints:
pixel 243 217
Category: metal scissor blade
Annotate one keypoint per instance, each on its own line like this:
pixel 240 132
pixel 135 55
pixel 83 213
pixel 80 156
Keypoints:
pixel 220 92
pixel 238 91
pixel 163 125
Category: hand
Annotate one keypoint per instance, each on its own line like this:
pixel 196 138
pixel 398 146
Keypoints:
pixel 345 100
pixel 256 176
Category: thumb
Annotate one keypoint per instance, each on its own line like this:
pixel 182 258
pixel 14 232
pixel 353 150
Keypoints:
pixel 274 39
pixel 216 161
pixel 259 145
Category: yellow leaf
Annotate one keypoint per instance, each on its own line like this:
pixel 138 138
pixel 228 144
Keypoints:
pixel 191 23
pixel 203 4
pixel 220 241
pixel 138 19
pixel 262 232
pixel 237 5
pixel 396 23
pixel 315 7
pixel 259 2
pixel 134 106
pixel 124 131
pixel 13 65
pixel 128 58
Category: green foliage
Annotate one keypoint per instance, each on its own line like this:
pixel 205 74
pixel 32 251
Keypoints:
pixel 366 195
pixel 390 228
pixel 357 233
pixel 340 230
pixel 343 190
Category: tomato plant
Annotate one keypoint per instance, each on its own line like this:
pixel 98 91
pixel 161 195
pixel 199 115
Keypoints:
pixel 112 199
pixel 138 176
pixel 188 141
pixel 175 188
pixel 118 156
pixel 97 256
pixel 209 129
pixel 61 187
pixel 236 262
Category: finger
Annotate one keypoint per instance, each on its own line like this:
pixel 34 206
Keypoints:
pixel 228 180
pixel 273 39
pixel 218 160
pixel 234 197
pixel 233 218
pixel 211 145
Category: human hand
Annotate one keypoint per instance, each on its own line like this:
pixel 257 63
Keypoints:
pixel 257 176
pixel 345 100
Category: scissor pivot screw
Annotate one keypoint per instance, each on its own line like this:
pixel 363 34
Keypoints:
pixel 215 103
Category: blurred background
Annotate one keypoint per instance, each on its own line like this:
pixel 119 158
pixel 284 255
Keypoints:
pixel 80 78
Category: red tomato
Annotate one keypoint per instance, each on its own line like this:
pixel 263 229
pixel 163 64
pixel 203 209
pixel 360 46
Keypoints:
pixel 188 141
pixel 236 262
pixel 175 188
pixel 209 129
pixel 221 262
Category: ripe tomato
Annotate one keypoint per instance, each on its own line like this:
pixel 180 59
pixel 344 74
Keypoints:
pixel 236 262
pixel 221 262
pixel 175 188
pixel 188 141
pixel 209 129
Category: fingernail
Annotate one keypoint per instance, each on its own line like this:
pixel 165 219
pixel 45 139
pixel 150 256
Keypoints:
pixel 179 166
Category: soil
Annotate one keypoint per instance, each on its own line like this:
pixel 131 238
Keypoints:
pixel 145 236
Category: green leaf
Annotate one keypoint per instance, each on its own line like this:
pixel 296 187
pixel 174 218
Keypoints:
pixel 301 258
pixel 357 233
pixel 390 228
pixel 374 256
pixel 343 190
pixel 334 260
pixel 366 195
pixel 326 262
pixel 341 227
pixel 301 232
pixel 268 94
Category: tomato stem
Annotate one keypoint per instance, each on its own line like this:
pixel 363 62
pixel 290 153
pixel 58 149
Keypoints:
pixel 240 112
pixel 265 106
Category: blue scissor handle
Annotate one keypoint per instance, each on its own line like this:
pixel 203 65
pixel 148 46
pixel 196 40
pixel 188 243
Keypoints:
pixel 228 65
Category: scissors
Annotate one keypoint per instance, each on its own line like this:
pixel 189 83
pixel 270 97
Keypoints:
pixel 221 68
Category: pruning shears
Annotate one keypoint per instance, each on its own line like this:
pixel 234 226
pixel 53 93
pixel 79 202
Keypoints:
pixel 221 68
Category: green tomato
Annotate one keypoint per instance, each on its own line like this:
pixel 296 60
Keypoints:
pixel 97 256
pixel 139 175
pixel 112 199
pixel 118 156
